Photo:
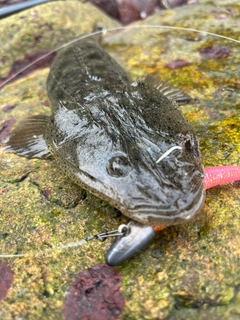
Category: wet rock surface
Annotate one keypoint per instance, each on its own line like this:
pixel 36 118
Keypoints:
pixel 190 271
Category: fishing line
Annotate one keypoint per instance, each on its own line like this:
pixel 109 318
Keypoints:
pixel 148 26
pixel 120 232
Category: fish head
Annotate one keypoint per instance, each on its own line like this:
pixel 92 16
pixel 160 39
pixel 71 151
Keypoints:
pixel 119 164
pixel 157 193
pixel 165 192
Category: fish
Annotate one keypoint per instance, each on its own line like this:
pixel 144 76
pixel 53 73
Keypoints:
pixel 126 142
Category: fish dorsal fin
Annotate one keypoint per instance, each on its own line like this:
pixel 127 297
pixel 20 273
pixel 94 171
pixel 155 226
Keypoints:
pixel 27 139
pixel 169 91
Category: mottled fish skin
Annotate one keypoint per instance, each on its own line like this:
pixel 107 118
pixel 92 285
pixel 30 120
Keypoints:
pixel 107 133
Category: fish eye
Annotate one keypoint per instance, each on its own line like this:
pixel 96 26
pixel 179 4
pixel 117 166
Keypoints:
pixel 118 166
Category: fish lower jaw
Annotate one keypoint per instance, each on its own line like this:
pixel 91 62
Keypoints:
pixel 153 217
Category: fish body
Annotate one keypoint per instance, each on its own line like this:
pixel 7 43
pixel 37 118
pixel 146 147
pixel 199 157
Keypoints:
pixel 107 133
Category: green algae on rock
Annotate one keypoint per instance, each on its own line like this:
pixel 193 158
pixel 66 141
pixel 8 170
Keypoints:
pixel 46 27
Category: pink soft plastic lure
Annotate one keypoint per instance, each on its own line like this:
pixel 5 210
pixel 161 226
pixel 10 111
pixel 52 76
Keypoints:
pixel 219 175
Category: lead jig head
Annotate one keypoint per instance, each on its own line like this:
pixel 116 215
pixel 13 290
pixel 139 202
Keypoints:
pixel 133 239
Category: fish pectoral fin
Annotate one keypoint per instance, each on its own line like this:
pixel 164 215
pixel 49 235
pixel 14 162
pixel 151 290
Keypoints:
pixel 172 93
pixel 27 139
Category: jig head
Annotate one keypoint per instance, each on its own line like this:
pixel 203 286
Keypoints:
pixel 134 237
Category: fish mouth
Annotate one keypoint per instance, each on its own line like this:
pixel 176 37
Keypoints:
pixel 154 215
